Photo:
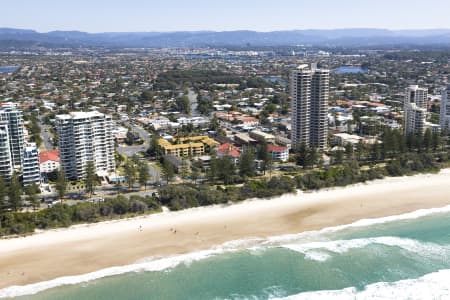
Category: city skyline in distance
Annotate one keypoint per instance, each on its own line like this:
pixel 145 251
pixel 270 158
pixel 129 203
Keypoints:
pixel 200 15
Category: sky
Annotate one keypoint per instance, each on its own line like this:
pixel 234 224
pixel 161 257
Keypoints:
pixel 222 15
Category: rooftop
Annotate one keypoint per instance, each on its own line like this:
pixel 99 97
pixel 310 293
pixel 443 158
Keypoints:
pixel 80 115
pixel 52 155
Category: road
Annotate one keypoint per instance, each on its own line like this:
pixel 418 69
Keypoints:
pixel 193 99
pixel 143 134
pixel 132 150
pixel 46 135
pixel 155 174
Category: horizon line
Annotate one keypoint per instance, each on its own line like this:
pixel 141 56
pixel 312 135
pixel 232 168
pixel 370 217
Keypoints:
pixel 231 30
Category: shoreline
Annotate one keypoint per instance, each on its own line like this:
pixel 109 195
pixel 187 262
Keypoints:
pixel 86 248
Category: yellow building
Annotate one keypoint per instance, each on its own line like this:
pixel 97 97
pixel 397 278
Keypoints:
pixel 187 146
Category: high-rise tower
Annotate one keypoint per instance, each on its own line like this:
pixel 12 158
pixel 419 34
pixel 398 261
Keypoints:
pixel 310 92
pixel 444 119
pixel 13 117
pixel 415 109
pixel 84 137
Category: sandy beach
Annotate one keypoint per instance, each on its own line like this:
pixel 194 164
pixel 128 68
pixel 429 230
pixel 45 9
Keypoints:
pixel 86 248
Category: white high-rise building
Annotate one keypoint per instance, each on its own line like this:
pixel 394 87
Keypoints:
pixel 310 92
pixel 6 167
pixel 31 167
pixel 444 119
pixel 415 109
pixel 84 137
pixel 13 117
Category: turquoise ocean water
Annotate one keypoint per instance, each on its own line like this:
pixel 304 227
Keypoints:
pixel 401 257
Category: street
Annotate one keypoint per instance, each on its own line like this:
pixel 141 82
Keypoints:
pixel 132 150
pixel 193 99
pixel 46 135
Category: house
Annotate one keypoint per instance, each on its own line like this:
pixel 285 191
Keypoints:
pixel 229 150
pixel 279 153
pixel 49 161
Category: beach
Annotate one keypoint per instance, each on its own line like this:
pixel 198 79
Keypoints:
pixel 86 248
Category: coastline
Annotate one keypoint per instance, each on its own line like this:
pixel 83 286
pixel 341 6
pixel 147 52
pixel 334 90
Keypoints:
pixel 87 248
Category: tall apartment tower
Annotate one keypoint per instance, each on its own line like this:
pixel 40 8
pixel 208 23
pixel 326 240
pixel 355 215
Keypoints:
pixel 31 167
pixel 6 166
pixel 444 119
pixel 13 117
pixel 415 109
pixel 84 137
pixel 310 92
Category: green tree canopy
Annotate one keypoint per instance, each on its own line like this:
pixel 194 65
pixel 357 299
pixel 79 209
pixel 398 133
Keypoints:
pixel 15 193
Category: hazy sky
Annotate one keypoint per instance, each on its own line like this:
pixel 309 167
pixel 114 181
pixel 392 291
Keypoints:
pixel 262 15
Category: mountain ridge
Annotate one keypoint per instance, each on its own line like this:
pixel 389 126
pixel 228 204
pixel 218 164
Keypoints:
pixel 312 37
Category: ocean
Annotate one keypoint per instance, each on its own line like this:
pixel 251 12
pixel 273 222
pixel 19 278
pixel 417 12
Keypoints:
pixel 10 69
pixel 398 257
pixel 350 69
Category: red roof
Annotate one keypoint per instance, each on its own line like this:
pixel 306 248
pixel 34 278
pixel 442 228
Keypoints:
pixel 273 148
pixel 234 153
pixel 52 155
pixel 229 150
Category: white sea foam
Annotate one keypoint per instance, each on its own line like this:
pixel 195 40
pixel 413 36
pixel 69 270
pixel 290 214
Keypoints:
pixel 312 235
pixel 320 250
pixel 433 286
pixel 153 265
pixel 255 244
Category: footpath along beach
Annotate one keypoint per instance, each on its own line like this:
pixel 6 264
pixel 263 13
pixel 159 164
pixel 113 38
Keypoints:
pixel 83 249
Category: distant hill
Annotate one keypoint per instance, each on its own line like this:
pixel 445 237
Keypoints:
pixel 10 37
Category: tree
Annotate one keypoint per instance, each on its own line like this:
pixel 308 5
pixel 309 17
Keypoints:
pixel 264 155
pixel 427 139
pixel 183 104
pixel 167 170
pixel 375 152
pixel 226 170
pixel 118 158
pixel 130 173
pixel 360 150
pixel 195 173
pixel 436 141
pixel 214 124
pixel 269 165
pixel 61 183
pixel 391 142
pixel 144 175
pixel 153 149
pixel 90 179
pixel 349 151
pixel 312 157
pixel 14 193
pixel 339 156
pixel 301 154
pixel 31 191
pixel 419 142
pixel 213 169
pixel 247 164
pixel 4 205
pixel 135 159
pixel 411 141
